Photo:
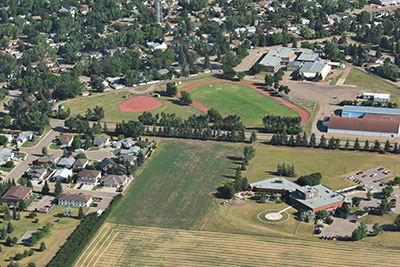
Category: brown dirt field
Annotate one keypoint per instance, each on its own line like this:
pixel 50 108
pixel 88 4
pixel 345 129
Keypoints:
pixel 140 104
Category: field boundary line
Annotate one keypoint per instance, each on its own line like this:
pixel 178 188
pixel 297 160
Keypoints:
pixel 105 249
pixel 92 255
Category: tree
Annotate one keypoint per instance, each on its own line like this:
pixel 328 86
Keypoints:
pixel 31 264
pixel 377 229
pixel 366 145
pixel 14 213
pixel 81 215
pixel 58 189
pixel 396 222
pixel 76 142
pixel 322 214
pixel 67 212
pixel 171 90
pixel 356 201
pixel 253 137
pixel 186 99
pixel 313 140
pixel 228 191
pixel 3 233
pixel 45 188
pixel 10 228
pixel 306 216
pixel 44 151
pixel 322 142
pixel 357 144
pixel 29 184
pixel 240 75
pixel 369 195
pixel 269 80
pixel 387 191
pixel 21 205
pixel 311 179
pixel 42 246
pixel 347 145
pixel 249 152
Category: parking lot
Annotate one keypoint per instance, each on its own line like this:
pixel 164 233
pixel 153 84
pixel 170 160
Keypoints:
pixel 41 204
pixel 371 178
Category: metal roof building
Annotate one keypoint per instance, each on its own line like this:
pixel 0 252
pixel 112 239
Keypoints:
pixel 359 111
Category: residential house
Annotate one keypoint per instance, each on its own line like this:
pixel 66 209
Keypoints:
pixel 154 46
pixel 75 200
pixel 130 159
pixel 114 181
pixel 65 140
pixel 24 136
pixel 88 177
pixel 106 163
pixel 66 162
pixel 36 174
pixel 101 141
pixel 125 143
pixel 45 161
pixel 6 154
pixel 135 150
pixel 80 164
pixel 8 136
pixel 16 194
pixel 63 174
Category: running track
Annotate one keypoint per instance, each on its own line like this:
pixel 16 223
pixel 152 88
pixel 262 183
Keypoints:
pixel 303 114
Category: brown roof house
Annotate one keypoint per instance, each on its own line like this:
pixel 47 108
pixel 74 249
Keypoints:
pixel 65 140
pixel 114 181
pixel 75 200
pixel 15 194
pixel 88 177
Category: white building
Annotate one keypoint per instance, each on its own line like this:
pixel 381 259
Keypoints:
pixel 62 174
pixel 153 46
pixel 75 200
pixel 311 69
pixel 377 97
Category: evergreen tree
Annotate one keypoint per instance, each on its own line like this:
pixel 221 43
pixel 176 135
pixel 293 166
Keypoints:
pixel 10 228
pixel 29 184
pixel 357 144
pixel 396 148
pixel 43 245
pixel 3 233
pixel 81 215
pixel 45 188
pixel 313 140
pixel 6 215
pixel 366 145
pixel 14 213
pixel 347 145
pixel 305 139
pixel 58 189
pixel 291 141
pixel 377 146
pixel 322 142
pixel 387 146
pixel 253 137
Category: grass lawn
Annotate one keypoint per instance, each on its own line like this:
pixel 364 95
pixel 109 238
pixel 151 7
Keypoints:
pixel 175 188
pixel 62 228
pixel 54 146
pixel 19 154
pixel 238 99
pixel 5 169
pixel 241 218
pixel 373 83
pixel 333 165
pixel 335 80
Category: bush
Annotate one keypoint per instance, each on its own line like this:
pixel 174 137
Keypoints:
pixel 311 179
pixel 9 164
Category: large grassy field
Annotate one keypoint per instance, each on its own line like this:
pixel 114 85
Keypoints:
pixel 121 245
pixel 238 99
pixel 334 165
pixel 176 187
pixel 62 228
pixel 372 83
pixel 112 113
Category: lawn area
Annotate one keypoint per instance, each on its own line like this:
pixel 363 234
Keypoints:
pixel 54 146
pixel 62 228
pixel 175 188
pixel 239 99
pixel 335 80
pixel 123 245
pixel 372 83
pixel 333 165
pixel 241 218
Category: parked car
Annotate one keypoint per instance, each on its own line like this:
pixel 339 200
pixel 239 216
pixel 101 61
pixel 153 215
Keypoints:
pixel 350 176
pixel 364 176
pixel 375 181
pixel 358 173
pixel 381 169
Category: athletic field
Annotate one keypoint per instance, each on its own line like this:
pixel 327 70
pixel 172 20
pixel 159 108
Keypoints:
pixel 234 98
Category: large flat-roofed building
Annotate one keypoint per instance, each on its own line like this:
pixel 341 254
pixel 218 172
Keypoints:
pixel 384 127
pixel 308 57
pixel 310 70
pixel 270 63
pixel 315 198
pixel 359 111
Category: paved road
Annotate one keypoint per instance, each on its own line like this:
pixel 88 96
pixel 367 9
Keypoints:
pixel 35 152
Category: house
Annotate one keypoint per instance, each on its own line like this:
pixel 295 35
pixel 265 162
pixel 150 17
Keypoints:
pixel 45 161
pixel 106 163
pixel 16 194
pixel 6 154
pixel 135 150
pixel 130 159
pixel 63 174
pixel 101 141
pixel 8 136
pixel 88 177
pixel 75 200
pixel 114 181
pixel 154 46
pixel 125 143
pixel 66 162
pixel 65 140
pixel 80 164
pixel 37 174
pixel 24 136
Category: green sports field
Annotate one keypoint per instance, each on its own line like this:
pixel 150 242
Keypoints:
pixel 176 186
pixel 239 99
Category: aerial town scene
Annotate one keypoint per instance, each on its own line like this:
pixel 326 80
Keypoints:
pixel 199 133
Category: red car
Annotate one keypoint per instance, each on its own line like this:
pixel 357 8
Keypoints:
pixel 393 201
pixel 364 175
pixel 376 181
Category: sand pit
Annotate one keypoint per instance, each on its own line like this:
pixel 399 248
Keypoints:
pixel 140 104
pixel 273 216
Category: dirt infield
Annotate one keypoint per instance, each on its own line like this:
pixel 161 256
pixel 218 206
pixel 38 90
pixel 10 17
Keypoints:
pixel 139 104
pixel 303 114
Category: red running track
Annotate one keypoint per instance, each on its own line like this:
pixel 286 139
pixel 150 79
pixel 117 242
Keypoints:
pixel 303 114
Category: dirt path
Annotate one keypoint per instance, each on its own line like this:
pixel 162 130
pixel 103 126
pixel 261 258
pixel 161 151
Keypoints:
pixel 345 73
pixel 303 114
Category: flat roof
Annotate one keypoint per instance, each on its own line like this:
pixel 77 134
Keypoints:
pixel 308 56
pixel 312 67
pixel 372 110
pixel 326 196
pixel 377 95
pixel 276 183
pixel 383 125
pixel 294 63
pixel 270 60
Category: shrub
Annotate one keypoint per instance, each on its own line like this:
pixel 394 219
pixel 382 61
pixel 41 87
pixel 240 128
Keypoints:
pixel 311 179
